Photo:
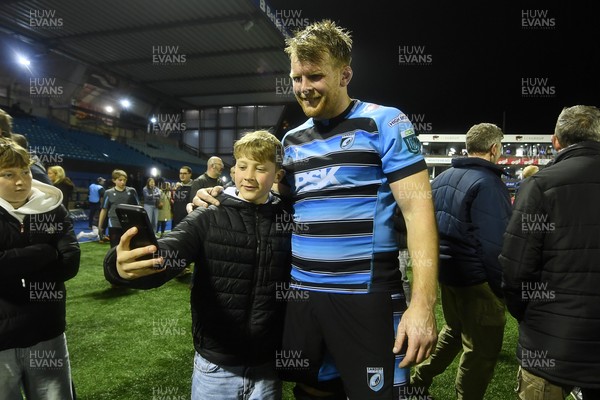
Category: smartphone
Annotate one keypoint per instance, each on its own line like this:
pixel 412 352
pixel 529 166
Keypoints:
pixel 130 216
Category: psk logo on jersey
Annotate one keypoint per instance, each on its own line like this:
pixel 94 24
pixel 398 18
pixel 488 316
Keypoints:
pixel 412 142
pixel 347 141
pixel 375 378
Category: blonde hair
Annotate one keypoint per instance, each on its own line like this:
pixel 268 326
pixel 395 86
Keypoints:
pixel 118 173
pixel 530 170
pixel 59 173
pixel 261 146
pixel 318 39
pixel 12 155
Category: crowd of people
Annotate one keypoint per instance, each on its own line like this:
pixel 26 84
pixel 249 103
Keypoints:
pixel 343 179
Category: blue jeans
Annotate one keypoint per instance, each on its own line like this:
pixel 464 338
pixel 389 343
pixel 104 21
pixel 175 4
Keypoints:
pixel 42 371
pixel 212 382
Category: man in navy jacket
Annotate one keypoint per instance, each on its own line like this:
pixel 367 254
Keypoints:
pixel 473 208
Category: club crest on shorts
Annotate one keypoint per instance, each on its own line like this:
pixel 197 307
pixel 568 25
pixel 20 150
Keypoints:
pixel 375 378
pixel 347 141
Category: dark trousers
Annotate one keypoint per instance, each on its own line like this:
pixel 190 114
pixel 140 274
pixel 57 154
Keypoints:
pixel 94 214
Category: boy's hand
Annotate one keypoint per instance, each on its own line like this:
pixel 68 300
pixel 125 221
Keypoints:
pixel 206 196
pixel 127 265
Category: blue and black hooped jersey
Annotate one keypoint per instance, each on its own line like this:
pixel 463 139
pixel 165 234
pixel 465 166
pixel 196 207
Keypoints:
pixel 339 171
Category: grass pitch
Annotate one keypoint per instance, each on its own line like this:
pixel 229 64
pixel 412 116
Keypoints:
pixel 130 344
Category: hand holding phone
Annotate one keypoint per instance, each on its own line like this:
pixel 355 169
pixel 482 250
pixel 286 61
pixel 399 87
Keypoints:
pixel 132 215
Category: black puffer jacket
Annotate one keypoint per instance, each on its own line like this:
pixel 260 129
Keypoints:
pixel 36 258
pixel 472 208
pixel 551 267
pixel 242 257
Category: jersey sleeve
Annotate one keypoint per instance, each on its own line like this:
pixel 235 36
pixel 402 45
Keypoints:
pixel 399 146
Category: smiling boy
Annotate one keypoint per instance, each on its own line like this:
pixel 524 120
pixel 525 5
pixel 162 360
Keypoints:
pixel 243 257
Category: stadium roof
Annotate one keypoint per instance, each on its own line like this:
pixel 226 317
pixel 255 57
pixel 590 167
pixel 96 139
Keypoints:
pixel 194 53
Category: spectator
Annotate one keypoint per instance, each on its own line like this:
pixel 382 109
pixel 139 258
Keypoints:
pixel 181 195
pixel 57 175
pixel 231 182
pixel 164 211
pixel 5 124
pixel 38 171
pixel 119 194
pixel 348 166
pixel 530 170
pixel 244 256
pixel 473 207
pixel 214 169
pixel 550 262
pixel 95 193
pixel 38 253
pixel 527 172
pixel 151 202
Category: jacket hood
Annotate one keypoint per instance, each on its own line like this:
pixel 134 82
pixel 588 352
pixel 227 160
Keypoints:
pixel 43 198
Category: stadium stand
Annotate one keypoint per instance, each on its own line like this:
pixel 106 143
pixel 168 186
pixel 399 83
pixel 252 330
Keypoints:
pixel 52 143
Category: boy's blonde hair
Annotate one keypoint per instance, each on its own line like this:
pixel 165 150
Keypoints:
pixel 12 155
pixel 118 173
pixel 261 146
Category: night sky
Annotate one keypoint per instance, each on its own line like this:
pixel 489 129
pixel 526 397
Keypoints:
pixel 453 65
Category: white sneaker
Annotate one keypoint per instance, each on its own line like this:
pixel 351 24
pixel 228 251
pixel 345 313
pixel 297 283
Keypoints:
pixel 80 235
pixel 576 393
